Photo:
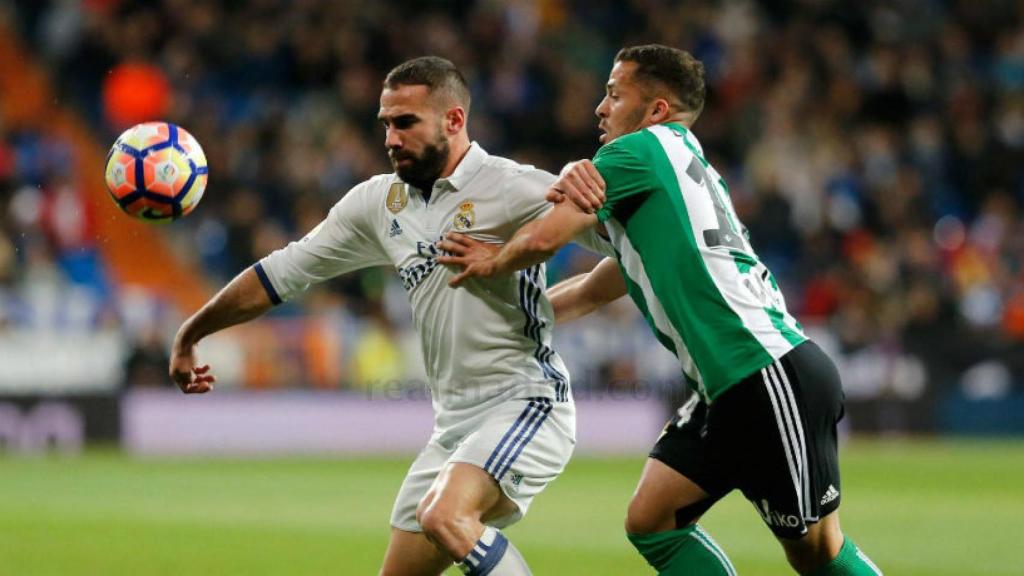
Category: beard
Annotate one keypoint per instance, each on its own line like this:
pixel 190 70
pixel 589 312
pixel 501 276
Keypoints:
pixel 632 120
pixel 424 169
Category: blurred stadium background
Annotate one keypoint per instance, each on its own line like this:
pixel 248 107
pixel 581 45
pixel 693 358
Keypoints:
pixel 875 150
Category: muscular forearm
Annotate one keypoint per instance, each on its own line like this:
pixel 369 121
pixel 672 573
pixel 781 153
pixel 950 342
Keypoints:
pixel 538 241
pixel 532 244
pixel 581 295
pixel 243 299
pixel 527 247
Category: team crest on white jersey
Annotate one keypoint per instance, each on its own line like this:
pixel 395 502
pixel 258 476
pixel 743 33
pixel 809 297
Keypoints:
pixel 466 216
pixel 397 197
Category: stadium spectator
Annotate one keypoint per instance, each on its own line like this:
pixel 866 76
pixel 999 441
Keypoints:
pixel 875 149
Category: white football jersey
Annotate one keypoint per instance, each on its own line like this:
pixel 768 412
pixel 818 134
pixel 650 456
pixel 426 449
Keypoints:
pixel 487 340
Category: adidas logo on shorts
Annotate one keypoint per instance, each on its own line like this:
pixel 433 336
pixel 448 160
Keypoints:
pixel 830 495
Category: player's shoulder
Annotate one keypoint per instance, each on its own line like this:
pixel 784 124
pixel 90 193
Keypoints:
pixel 369 193
pixel 509 168
pixel 516 176
pixel 380 186
pixel 656 136
pixel 377 184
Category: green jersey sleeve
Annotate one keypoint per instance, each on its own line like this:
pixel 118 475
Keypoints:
pixel 627 173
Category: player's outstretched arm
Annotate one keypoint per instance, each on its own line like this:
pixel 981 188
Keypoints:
pixel 243 299
pixel 582 294
pixel 532 244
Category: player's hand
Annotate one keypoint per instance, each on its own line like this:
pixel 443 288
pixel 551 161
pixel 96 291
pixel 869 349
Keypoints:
pixel 190 378
pixel 554 196
pixel 475 257
pixel 581 183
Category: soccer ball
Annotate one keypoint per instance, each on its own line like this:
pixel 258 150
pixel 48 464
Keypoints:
pixel 156 172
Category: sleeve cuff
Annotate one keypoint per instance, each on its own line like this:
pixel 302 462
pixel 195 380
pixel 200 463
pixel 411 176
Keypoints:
pixel 275 298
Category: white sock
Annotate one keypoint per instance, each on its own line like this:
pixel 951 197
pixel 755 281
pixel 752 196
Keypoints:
pixel 494 555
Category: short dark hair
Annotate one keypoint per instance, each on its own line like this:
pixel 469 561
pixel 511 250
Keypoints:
pixel 439 75
pixel 676 70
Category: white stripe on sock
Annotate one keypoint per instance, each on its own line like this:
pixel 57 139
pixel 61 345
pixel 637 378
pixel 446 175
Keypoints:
pixel 868 561
pixel 699 535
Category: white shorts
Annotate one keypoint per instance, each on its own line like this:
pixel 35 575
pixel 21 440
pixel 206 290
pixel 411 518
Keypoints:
pixel 523 443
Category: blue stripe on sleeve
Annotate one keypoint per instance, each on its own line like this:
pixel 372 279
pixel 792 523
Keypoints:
pixel 265 280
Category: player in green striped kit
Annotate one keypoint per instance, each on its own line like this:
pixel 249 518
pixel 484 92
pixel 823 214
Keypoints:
pixel 763 418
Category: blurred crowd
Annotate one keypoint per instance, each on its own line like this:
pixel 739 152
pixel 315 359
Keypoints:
pixel 874 149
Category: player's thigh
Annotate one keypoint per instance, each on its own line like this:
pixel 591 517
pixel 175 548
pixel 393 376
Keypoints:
pixel 411 554
pixel 465 490
pixel 522 445
pixel 416 488
pixel 680 480
pixel 661 493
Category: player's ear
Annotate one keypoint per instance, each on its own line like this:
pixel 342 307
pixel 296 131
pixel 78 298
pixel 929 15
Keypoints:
pixel 660 111
pixel 455 119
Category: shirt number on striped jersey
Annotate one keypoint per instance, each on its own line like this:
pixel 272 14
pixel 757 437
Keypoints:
pixel 725 234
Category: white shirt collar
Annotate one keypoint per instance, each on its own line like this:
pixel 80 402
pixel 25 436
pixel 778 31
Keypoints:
pixel 467 168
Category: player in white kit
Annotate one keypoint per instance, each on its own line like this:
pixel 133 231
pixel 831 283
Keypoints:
pixel 504 418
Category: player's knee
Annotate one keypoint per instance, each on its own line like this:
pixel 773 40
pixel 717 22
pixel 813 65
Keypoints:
pixel 425 503
pixel 441 525
pixel 816 549
pixel 807 559
pixel 644 519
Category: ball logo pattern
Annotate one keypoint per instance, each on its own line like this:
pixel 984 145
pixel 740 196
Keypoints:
pixel 156 172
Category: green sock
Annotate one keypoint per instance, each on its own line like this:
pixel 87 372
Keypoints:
pixel 850 562
pixel 689 551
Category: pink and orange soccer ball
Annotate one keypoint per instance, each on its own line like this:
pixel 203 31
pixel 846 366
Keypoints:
pixel 156 172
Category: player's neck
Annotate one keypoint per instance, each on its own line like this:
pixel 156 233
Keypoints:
pixel 685 119
pixel 459 148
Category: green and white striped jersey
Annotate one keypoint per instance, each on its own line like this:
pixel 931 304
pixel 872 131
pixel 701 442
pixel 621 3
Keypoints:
pixel 687 259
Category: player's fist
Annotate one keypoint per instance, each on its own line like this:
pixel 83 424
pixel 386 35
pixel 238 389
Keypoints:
pixel 581 183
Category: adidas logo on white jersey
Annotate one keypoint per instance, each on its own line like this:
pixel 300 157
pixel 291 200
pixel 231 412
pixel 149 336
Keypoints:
pixel 395 229
pixel 830 495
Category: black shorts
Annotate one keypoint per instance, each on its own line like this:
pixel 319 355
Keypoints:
pixel 772 435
